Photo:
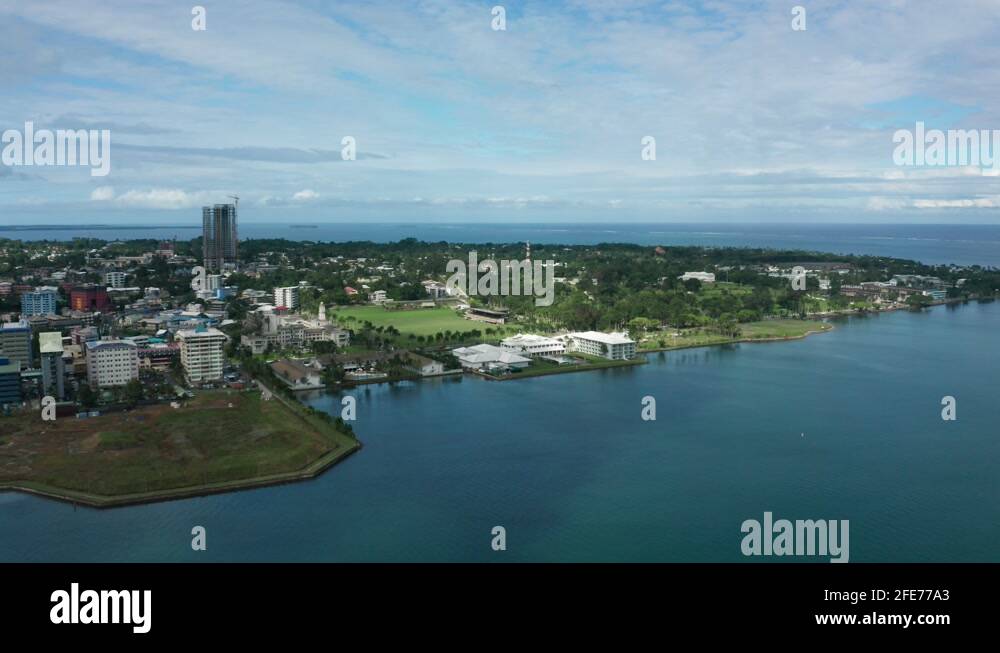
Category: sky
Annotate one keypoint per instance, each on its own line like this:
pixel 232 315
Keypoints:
pixel 544 121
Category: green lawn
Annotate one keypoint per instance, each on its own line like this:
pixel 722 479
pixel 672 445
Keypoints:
pixel 724 287
pixel 782 328
pixel 419 322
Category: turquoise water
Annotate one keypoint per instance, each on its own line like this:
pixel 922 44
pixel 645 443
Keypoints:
pixel 843 425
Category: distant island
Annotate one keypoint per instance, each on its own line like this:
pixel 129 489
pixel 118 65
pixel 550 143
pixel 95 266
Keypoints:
pixel 96 227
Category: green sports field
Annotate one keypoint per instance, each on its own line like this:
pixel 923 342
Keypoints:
pixel 419 322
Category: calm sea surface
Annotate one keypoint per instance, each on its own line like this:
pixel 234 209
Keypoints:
pixel 843 425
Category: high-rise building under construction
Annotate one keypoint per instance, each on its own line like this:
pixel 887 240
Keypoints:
pixel 220 240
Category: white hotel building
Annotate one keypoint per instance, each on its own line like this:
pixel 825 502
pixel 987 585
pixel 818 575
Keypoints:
pixel 287 297
pixel 704 277
pixel 111 362
pixel 613 346
pixel 114 279
pixel 202 353
pixel 533 346
pixel 285 331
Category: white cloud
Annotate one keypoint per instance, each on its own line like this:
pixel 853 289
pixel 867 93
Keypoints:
pixel 305 195
pixel 102 194
pixel 752 115
pixel 158 198
pixel 885 204
pixel 977 203
pixel 896 203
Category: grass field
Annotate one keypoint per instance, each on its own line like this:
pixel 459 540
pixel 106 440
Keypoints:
pixel 219 437
pixel 420 322
pixel 750 331
pixel 782 328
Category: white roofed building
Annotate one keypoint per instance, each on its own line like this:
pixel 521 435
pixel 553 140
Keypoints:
pixel 613 346
pixel 287 297
pixel 704 277
pixel 530 345
pixel 480 357
pixel 202 353
pixel 111 362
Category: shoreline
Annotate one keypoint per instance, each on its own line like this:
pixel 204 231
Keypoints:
pixel 332 457
pixel 589 367
pixel 738 341
pixel 818 317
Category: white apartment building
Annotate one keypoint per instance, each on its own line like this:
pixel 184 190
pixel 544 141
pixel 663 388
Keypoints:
pixel 436 289
pixel 530 345
pixel 292 331
pixel 112 362
pixel 202 353
pixel 704 277
pixel 613 346
pixel 114 279
pixel 15 343
pixel 287 297
pixel 40 301
pixel 53 367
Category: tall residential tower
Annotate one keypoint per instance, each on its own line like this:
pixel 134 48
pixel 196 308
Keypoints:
pixel 220 240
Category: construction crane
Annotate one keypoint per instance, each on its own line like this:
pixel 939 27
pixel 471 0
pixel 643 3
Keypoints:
pixel 236 203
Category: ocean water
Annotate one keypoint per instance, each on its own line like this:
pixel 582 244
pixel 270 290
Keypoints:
pixel 842 425
pixel 961 244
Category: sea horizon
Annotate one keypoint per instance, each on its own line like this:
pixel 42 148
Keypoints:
pixel 932 244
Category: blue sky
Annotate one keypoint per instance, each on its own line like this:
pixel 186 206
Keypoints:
pixel 456 122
